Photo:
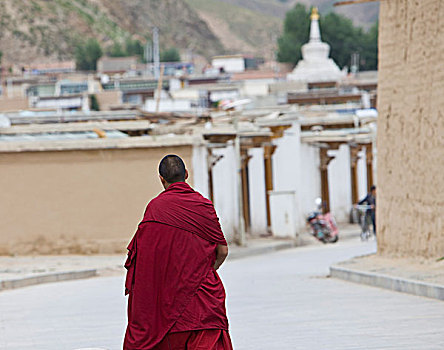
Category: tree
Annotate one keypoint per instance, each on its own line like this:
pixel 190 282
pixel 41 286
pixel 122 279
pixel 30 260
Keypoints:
pixel 338 31
pixel 344 39
pixel 131 48
pixel 369 56
pixel 116 51
pixel 296 33
pixel 86 54
pixel 134 48
pixel 170 55
pixel 94 103
pixel 1 56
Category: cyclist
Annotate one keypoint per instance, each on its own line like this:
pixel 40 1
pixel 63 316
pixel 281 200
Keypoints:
pixel 370 200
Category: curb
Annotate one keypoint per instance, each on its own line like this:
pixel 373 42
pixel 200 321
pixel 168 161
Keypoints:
pixel 238 253
pixel 81 274
pixel 423 289
pixel 48 278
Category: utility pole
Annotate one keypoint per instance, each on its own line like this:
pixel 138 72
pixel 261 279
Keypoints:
pixel 156 53
pixel 240 203
pixel 354 62
pixel 159 88
pixel 148 56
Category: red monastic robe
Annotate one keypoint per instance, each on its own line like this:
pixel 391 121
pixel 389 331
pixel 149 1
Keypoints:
pixel 171 282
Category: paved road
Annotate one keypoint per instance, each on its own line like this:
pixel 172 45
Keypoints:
pixel 277 301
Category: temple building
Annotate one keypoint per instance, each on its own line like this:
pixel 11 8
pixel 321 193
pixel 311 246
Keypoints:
pixel 315 65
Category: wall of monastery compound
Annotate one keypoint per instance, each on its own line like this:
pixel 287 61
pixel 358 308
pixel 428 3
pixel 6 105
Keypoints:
pixel 410 198
pixel 77 201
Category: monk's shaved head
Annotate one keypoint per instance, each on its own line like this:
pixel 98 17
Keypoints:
pixel 172 169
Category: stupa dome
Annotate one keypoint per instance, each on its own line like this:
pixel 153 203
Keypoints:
pixel 315 65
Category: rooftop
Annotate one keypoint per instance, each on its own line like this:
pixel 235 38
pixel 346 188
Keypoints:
pixel 70 144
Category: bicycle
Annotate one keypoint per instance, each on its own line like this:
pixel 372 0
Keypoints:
pixel 364 220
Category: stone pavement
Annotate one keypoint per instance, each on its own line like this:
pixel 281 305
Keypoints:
pixel 22 271
pixel 290 304
pixel 278 301
pixel 423 278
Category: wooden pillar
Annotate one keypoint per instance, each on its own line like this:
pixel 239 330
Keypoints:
pixel 369 161
pixel 325 160
pixel 210 174
pixel 354 157
pixel 211 162
pixel 245 189
pixel 268 168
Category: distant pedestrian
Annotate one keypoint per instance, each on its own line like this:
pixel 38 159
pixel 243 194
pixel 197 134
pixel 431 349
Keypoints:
pixel 176 298
pixel 370 200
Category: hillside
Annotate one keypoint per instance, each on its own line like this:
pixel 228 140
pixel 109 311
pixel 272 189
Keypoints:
pixel 45 30
pixel 252 26
pixel 240 29
pixel 363 14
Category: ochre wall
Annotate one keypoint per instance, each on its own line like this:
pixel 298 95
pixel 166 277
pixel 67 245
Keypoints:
pixel 410 198
pixel 107 99
pixel 87 201
pixel 13 104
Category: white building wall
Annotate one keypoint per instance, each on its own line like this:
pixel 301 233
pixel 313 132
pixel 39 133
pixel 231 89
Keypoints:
pixel 59 103
pixel 225 191
pixel 191 94
pixel 229 64
pixel 286 170
pixel 310 182
pixel 296 168
pixel 199 170
pixel 283 209
pixel 255 88
pixel 167 105
pixel 286 160
pixel 362 176
pixel 339 184
pixel 256 180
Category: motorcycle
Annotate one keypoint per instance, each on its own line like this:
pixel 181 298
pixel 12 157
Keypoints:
pixel 323 226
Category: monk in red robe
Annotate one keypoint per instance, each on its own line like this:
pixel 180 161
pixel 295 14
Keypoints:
pixel 176 298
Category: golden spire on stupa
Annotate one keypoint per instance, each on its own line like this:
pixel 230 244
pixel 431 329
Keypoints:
pixel 314 14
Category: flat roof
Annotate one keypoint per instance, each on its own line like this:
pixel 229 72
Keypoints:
pixel 362 136
pixel 227 56
pixel 100 143
pixel 30 117
pixel 76 127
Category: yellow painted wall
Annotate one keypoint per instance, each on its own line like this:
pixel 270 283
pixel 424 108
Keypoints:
pixel 410 145
pixel 87 201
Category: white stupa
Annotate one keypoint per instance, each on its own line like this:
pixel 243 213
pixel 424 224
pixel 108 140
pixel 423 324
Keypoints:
pixel 315 65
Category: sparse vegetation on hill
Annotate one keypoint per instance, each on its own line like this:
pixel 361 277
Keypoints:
pixel 240 29
pixel 252 26
pixel 362 15
pixel 170 55
pixel 42 30
pixel 130 48
pixel 47 30
pixel 87 54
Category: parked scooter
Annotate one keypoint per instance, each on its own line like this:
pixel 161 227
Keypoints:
pixel 323 226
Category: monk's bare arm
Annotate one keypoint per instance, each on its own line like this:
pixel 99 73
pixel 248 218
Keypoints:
pixel 221 255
